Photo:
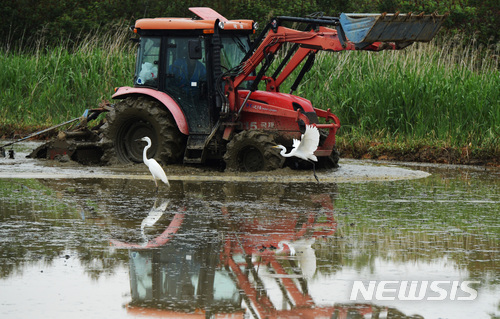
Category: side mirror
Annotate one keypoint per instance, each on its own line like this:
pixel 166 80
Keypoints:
pixel 195 50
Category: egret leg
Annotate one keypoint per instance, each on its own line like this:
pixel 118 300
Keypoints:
pixel 314 172
pixel 156 185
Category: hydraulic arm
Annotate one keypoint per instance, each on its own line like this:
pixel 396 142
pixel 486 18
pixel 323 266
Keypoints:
pixel 372 32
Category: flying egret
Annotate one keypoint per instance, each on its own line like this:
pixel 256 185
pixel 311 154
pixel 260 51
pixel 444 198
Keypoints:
pixel 152 164
pixel 305 148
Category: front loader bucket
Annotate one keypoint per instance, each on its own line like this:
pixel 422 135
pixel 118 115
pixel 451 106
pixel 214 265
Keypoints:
pixel 369 28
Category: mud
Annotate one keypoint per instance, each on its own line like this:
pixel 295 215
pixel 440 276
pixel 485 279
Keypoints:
pixel 350 171
pixel 421 154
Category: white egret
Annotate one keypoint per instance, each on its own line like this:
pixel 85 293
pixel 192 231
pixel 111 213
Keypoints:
pixel 152 164
pixel 305 148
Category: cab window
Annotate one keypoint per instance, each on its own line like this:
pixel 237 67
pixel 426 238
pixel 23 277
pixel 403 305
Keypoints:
pixel 148 57
pixel 233 51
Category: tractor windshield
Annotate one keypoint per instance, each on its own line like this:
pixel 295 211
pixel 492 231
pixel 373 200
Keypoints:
pixel 233 50
pixel 148 57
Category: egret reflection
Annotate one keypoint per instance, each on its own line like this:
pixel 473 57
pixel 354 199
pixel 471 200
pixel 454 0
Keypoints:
pixel 152 218
pixel 303 252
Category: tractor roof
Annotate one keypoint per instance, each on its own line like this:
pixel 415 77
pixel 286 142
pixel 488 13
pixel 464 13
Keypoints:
pixel 206 22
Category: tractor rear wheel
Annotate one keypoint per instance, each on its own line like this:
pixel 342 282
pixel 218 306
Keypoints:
pixel 133 118
pixel 251 151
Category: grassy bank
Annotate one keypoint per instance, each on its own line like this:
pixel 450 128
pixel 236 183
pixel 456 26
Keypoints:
pixel 430 102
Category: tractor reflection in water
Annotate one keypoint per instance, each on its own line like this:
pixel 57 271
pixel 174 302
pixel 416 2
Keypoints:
pixel 234 265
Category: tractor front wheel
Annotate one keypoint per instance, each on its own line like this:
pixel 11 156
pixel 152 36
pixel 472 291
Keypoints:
pixel 329 162
pixel 251 151
pixel 133 118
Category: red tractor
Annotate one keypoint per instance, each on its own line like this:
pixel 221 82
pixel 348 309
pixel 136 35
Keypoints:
pixel 204 91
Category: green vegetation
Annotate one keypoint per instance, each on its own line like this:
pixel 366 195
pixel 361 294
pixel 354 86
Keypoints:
pixel 437 101
pixel 43 87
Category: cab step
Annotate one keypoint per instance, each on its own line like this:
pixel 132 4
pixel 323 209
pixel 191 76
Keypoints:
pixel 195 149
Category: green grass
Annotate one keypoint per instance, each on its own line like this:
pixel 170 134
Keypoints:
pixel 45 87
pixel 437 94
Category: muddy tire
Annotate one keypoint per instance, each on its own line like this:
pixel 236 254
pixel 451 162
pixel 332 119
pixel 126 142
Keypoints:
pixel 133 118
pixel 251 151
pixel 329 162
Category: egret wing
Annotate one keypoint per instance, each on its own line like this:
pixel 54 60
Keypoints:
pixel 157 171
pixel 309 142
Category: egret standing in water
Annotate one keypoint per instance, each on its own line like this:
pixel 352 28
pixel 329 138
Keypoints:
pixel 305 148
pixel 152 164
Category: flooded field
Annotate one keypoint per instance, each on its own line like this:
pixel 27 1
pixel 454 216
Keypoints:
pixel 371 240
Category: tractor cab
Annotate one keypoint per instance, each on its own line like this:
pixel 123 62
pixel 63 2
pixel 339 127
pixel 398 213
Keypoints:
pixel 176 56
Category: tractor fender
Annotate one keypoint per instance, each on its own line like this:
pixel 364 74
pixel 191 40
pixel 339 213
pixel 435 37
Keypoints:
pixel 165 99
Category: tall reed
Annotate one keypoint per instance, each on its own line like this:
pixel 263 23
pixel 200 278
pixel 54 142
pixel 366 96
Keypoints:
pixel 42 87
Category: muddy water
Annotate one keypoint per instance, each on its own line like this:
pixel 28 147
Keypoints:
pixel 91 242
